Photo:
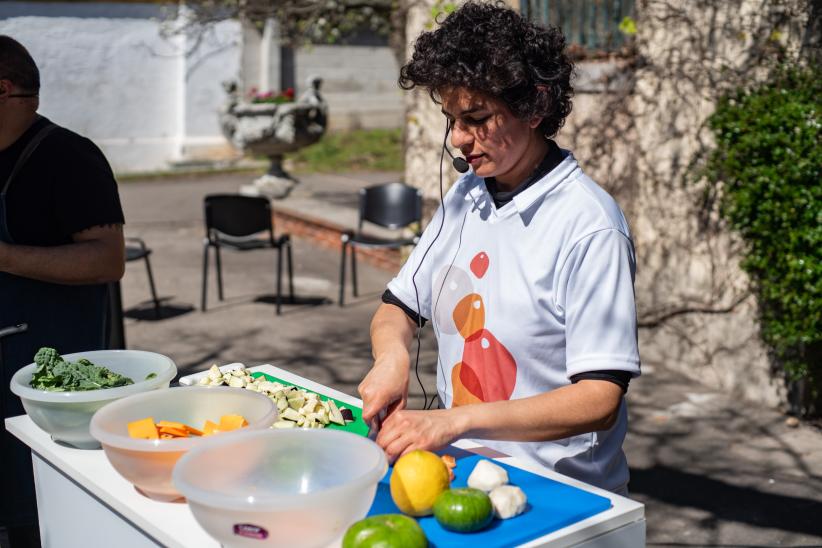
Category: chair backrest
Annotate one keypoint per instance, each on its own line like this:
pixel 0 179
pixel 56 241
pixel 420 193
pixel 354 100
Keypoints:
pixel 392 205
pixel 237 215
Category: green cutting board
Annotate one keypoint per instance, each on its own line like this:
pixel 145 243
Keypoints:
pixel 358 426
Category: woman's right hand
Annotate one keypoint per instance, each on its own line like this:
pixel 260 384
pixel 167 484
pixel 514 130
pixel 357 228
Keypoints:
pixel 385 387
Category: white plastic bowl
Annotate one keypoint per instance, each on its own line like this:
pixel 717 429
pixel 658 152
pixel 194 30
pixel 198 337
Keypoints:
pixel 301 488
pixel 148 463
pixel 66 415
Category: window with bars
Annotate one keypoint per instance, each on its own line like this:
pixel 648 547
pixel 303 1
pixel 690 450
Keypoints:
pixel 591 24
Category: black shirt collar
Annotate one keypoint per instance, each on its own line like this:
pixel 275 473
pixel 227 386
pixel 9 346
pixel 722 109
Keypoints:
pixel 551 160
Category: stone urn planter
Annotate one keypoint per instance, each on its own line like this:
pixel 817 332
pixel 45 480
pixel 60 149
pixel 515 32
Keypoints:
pixel 273 129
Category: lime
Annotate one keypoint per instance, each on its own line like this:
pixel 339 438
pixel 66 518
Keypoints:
pixel 385 531
pixel 417 480
pixel 463 510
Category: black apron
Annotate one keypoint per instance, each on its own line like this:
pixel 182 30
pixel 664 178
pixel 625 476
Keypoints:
pixel 68 318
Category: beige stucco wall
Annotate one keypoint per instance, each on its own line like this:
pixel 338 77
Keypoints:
pixel 637 127
pixel 688 261
pixel 425 124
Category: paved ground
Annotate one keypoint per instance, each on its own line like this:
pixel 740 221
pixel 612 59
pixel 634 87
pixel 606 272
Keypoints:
pixel 712 470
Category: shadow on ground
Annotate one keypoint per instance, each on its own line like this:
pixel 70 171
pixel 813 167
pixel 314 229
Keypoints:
pixel 146 312
pixel 728 502
pixel 298 300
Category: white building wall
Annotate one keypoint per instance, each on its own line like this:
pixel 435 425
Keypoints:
pixel 151 102
pixel 359 83
pixel 107 73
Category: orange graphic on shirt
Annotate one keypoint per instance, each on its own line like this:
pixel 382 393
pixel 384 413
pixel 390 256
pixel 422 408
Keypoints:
pixel 488 371
pixel 469 315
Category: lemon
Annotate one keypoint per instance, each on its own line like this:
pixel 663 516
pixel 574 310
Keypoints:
pixel 417 480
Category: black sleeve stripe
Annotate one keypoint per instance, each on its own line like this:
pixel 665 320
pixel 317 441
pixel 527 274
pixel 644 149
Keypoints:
pixel 616 376
pixel 390 298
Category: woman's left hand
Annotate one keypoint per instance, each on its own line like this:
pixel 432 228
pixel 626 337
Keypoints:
pixel 405 431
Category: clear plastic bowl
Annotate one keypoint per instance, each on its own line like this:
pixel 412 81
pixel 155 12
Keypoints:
pixel 66 415
pixel 300 488
pixel 148 463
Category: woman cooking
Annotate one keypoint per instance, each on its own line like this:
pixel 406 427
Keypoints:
pixel 526 271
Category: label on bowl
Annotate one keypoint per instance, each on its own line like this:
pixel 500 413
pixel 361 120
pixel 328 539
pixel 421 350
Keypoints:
pixel 250 531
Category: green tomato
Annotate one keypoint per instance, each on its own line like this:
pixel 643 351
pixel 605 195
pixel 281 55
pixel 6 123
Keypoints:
pixel 385 531
pixel 463 510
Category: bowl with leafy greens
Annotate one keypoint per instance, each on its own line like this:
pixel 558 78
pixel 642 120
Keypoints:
pixel 61 393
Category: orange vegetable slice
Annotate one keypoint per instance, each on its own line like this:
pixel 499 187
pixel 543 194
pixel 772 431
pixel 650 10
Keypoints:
pixel 143 429
pixel 193 431
pixel 232 422
pixel 176 432
pixel 171 424
pixel 450 463
pixel 210 428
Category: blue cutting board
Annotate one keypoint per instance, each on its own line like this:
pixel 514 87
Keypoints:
pixel 551 506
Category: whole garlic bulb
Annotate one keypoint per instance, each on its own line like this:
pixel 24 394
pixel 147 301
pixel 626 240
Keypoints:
pixel 508 501
pixel 487 475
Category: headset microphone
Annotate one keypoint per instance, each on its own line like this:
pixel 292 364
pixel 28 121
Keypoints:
pixel 459 163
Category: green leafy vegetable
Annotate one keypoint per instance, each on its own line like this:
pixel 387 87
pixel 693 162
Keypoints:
pixel 55 374
pixel 150 376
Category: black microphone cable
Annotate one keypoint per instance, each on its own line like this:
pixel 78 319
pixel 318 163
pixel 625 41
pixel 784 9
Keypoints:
pixel 462 166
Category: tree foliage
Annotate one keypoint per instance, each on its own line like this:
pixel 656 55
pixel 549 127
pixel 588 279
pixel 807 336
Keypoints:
pixel 300 21
pixel 767 167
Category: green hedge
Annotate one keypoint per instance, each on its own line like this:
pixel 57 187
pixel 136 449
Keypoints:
pixel 767 166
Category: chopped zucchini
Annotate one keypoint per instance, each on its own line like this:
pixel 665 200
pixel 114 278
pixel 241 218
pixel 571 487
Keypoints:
pixel 334 414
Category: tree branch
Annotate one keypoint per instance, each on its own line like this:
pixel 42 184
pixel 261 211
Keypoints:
pixel 704 309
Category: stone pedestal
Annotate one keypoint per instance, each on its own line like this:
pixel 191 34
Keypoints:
pixel 272 130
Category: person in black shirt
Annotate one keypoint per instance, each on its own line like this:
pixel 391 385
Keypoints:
pixel 61 242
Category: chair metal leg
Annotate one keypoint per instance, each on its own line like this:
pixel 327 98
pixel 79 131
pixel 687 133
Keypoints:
pixel 205 276
pixel 279 279
pixel 153 289
pixel 354 269
pixel 219 272
pixel 290 273
pixel 342 273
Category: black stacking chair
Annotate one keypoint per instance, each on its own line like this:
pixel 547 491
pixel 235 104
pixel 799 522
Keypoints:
pixel 237 222
pixel 390 205
pixel 135 250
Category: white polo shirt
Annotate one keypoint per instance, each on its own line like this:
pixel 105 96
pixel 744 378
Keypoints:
pixel 524 297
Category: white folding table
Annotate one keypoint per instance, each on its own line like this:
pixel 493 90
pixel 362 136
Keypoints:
pixel 83 502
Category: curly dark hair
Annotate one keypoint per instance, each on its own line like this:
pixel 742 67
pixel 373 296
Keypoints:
pixel 490 48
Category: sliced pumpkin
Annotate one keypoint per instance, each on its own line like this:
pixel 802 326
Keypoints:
pixel 193 431
pixel 171 424
pixel 176 432
pixel 143 429
pixel 232 422
pixel 210 428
